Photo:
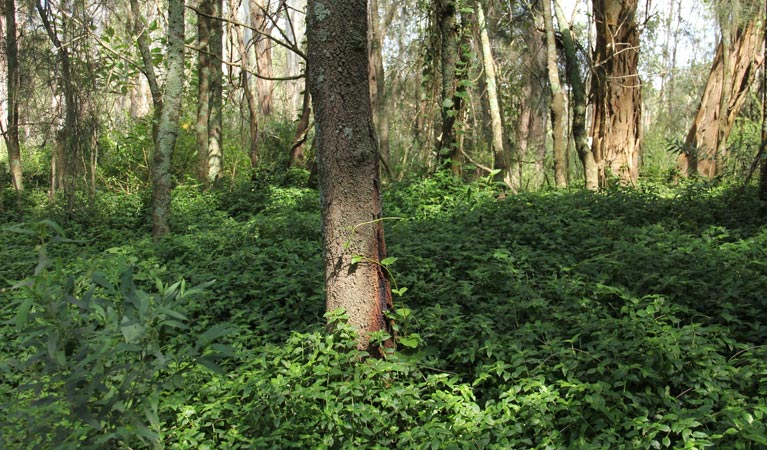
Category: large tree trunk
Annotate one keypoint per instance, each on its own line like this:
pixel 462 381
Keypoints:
pixel 557 99
pixel 709 131
pixel 12 58
pixel 763 176
pixel 450 104
pixel 579 103
pixel 167 129
pixel 616 90
pixel 500 155
pixel 204 62
pixel 215 144
pixel 347 158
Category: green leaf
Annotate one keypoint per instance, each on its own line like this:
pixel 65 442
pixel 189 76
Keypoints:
pixel 447 103
pixel 388 261
pixel 356 259
pixel 213 333
pixel 23 313
pixel 132 332
pixel 410 341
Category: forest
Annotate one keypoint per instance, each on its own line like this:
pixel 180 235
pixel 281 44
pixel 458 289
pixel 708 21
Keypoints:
pixel 416 224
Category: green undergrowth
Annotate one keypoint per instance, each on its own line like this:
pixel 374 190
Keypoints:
pixel 560 320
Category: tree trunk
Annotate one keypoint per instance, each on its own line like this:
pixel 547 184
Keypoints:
pixel 215 148
pixel 500 156
pixel 204 62
pixel 347 158
pixel 450 105
pixel 67 167
pixel 142 42
pixel 616 129
pixel 260 21
pixel 167 129
pixel 557 100
pixel 250 96
pixel 12 131
pixel 579 103
pixel 299 141
pixel 763 176
pixel 708 129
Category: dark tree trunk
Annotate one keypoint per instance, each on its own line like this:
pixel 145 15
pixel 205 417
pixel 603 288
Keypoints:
pixel 299 141
pixel 616 128
pixel 450 104
pixel 347 159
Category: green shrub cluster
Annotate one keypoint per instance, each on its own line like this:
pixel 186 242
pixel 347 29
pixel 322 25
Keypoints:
pixel 625 319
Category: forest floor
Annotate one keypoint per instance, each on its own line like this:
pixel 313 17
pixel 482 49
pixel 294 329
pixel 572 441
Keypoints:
pixel 631 318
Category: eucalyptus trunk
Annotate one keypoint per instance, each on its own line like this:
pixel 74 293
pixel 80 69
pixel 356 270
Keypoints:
pixel 500 155
pixel 347 160
pixel 215 145
pixel 204 62
pixel 616 90
pixel 377 79
pixel 579 103
pixel 557 99
pixel 167 129
pixel 250 96
pixel 714 119
pixel 260 21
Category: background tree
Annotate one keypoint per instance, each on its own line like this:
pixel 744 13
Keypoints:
pixel 726 91
pixel 558 117
pixel 347 158
pixel 13 90
pixel 616 91
pixel 167 129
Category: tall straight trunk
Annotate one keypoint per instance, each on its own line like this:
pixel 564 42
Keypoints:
pixel 616 90
pixel 215 145
pixel 204 62
pixel 142 42
pixel 12 58
pixel 377 80
pixel 250 96
pixel 450 105
pixel 763 176
pixel 67 166
pixel 557 99
pixel 579 103
pixel 167 129
pixel 263 47
pixel 296 29
pixel 500 156
pixel 347 159
pixel 711 127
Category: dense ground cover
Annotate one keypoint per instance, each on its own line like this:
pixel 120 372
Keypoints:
pixel 625 319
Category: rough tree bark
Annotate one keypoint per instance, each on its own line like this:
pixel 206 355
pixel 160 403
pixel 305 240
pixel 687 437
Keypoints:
pixel 12 60
pixel 616 90
pixel 709 130
pixel 167 129
pixel 557 99
pixel 347 158
pixel 579 103
pixel 450 105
